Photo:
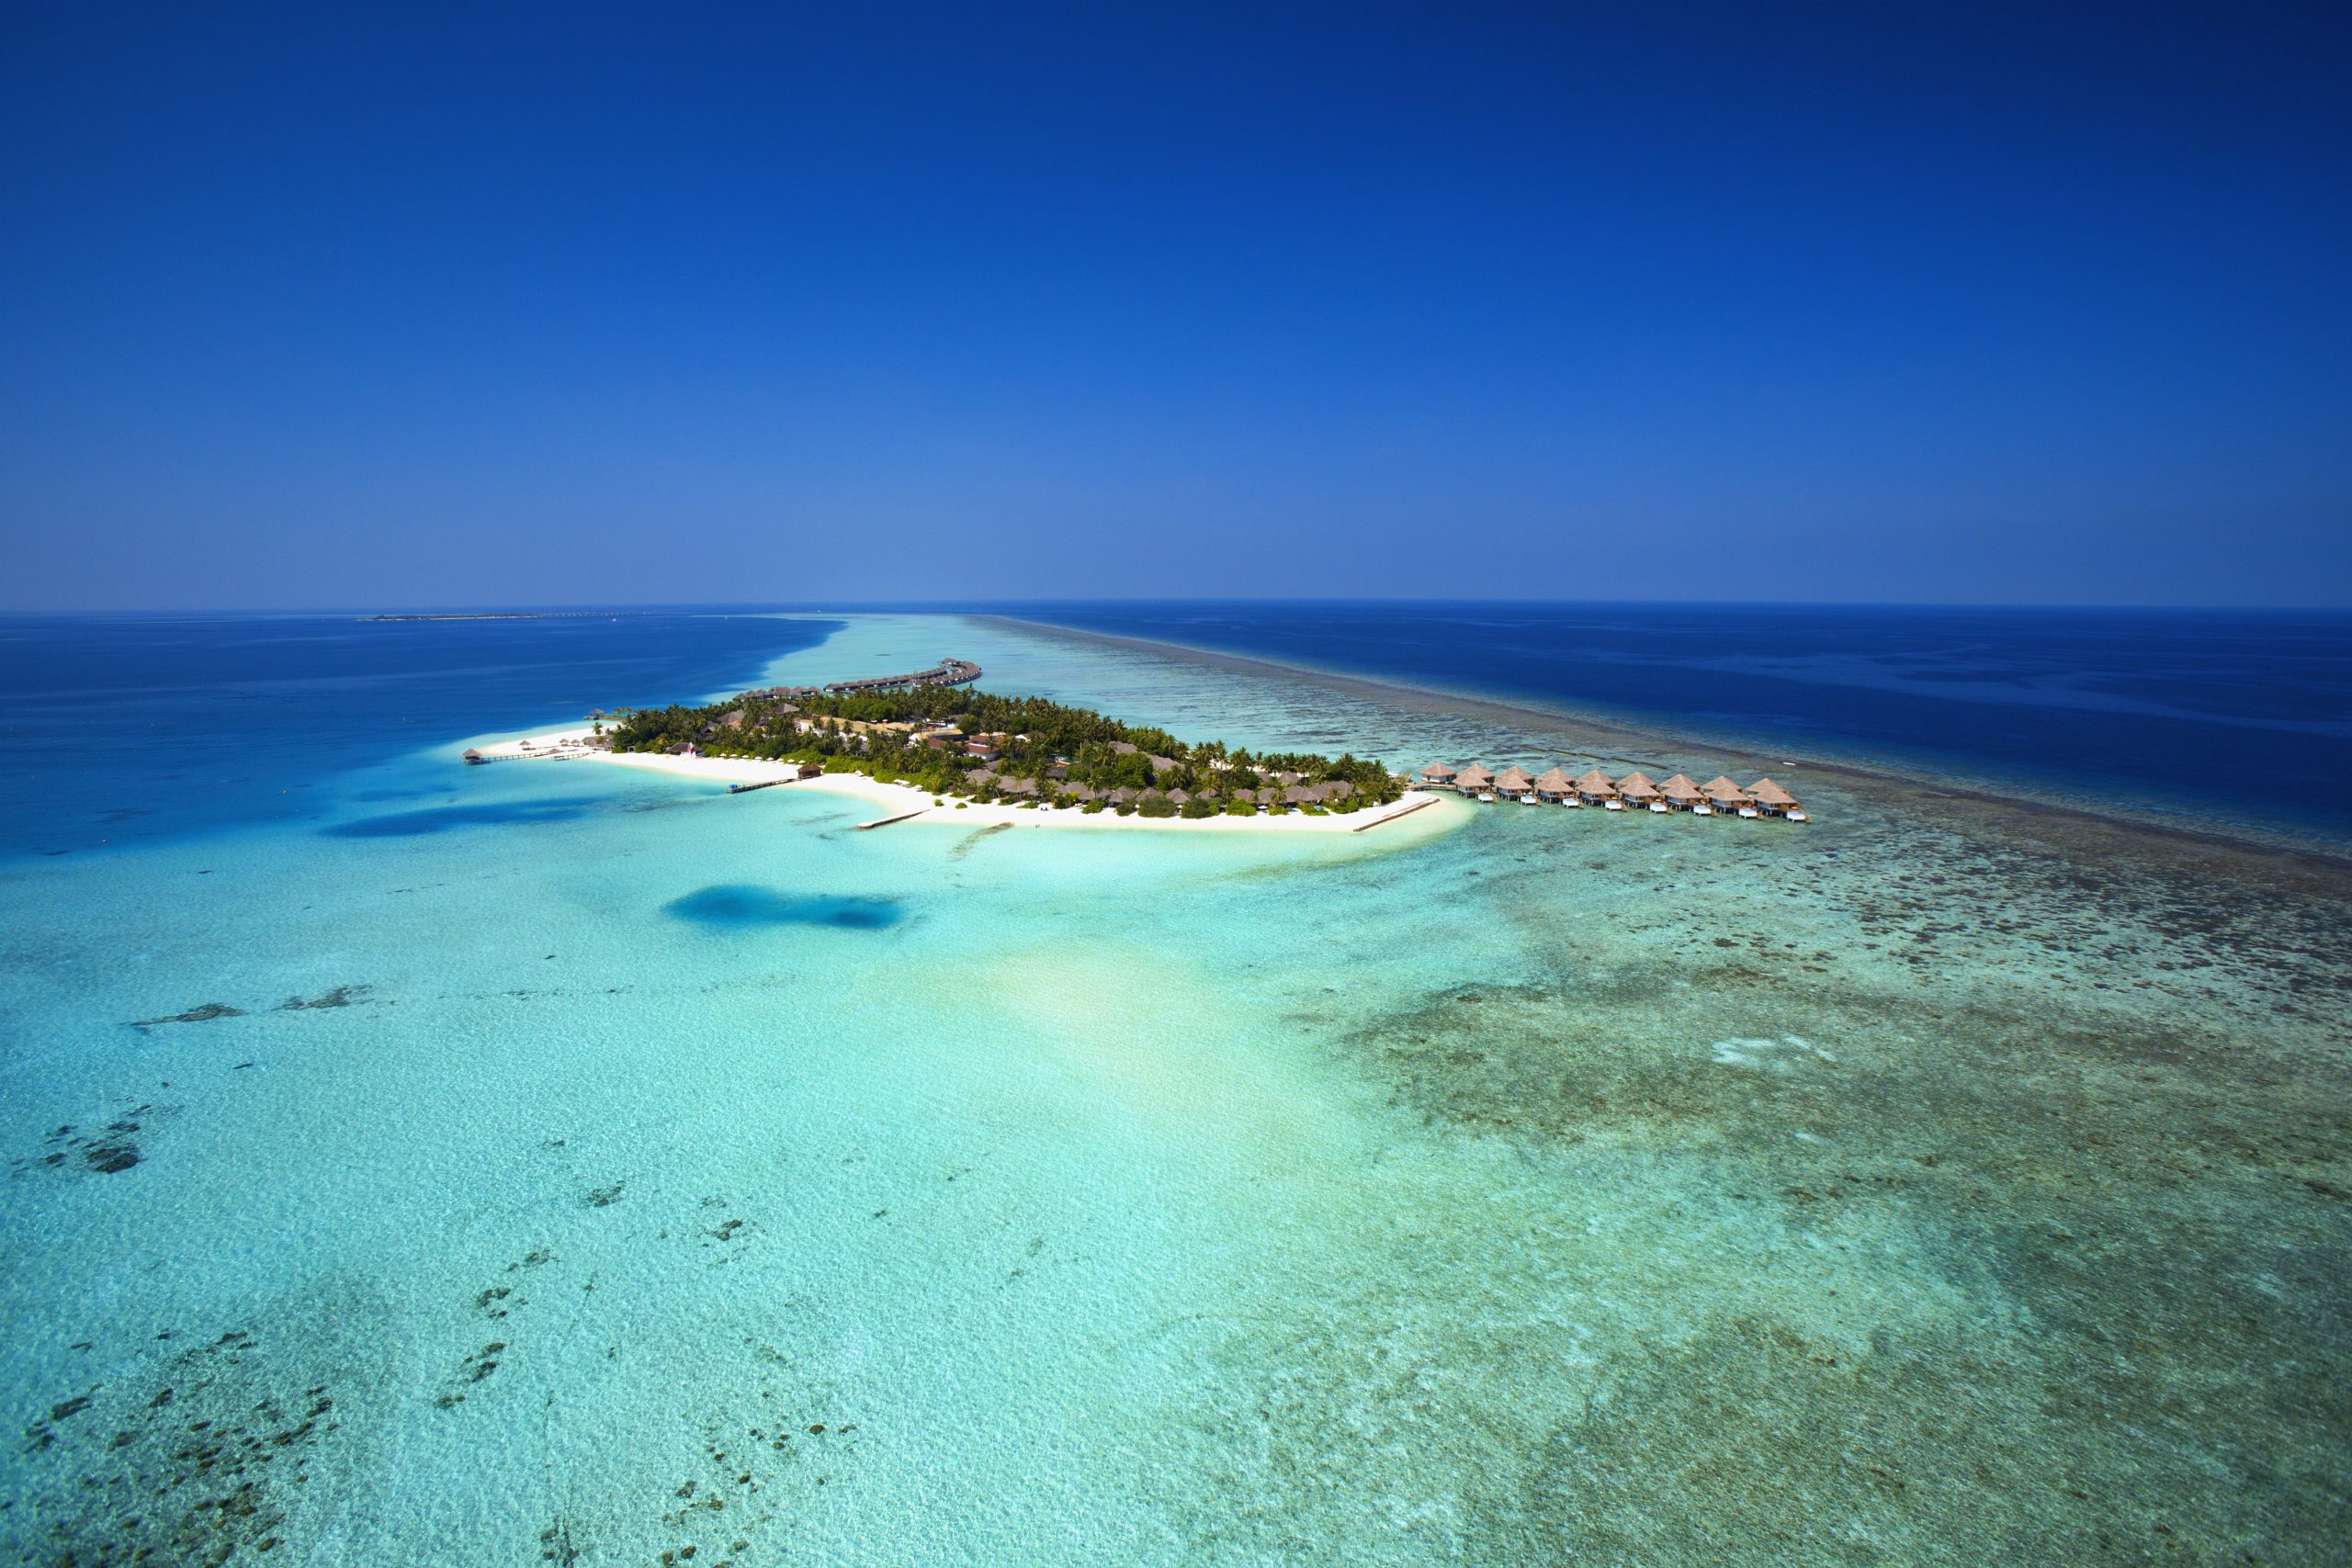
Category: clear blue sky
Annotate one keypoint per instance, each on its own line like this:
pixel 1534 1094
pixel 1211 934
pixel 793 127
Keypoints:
pixel 385 305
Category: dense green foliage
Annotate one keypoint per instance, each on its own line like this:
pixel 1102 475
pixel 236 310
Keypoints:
pixel 898 736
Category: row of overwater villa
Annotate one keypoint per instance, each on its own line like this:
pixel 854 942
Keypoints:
pixel 1717 797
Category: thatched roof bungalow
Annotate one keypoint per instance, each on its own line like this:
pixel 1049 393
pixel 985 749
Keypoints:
pixel 1771 799
pixel 1681 793
pixel 1596 788
pixel 1636 789
pixel 1473 780
pixel 1437 775
pixel 1725 796
pixel 1512 784
pixel 1554 784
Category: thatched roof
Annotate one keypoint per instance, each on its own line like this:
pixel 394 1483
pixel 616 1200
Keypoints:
pixel 1722 791
pixel 1299 794
pixel 1555 782
pixel 1680 787
pixel 1019 786
pixel 1076 792
pixel 1764 792
pixel 1513 778
pixel 1339 789
pixel 1178 796
pixel 1596 782
pixel 1159 764
pixel 1636 785
pixel 1121 798
pixel 1473 777
pixel 1437 773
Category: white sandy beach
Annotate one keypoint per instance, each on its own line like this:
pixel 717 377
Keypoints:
pixel 897 800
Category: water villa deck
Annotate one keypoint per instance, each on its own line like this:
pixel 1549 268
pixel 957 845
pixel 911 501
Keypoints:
pixel 1634 792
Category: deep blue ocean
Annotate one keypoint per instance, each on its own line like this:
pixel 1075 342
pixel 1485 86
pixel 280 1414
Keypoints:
pixel 122 728
pixel 117 729
pixel 2202 710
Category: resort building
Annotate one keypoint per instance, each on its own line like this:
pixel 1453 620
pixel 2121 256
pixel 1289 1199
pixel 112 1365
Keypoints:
pixel 1774 801
pixel 1725 796
pixel 1681 794
pixel 1636 790
pixel 1437 775
pixel 1474 781
pixel 1556 786
pixel 1595 789
pixel 1512 784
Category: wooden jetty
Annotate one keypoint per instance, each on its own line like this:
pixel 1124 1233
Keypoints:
pixel 947 672
pixel 1368 826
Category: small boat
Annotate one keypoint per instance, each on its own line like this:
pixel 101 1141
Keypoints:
pixel 1612 806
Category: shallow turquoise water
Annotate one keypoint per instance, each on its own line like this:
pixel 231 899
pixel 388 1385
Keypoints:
pixel 665 1168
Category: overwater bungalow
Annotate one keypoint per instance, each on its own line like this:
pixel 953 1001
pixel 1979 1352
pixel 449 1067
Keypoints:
pixel 1724 796
pixel 1636 791
pixel 1682 794
pixel 1476 782
pixel 1774 801
pixel 1556 786
pixel 1512 784
pixel 1596 789
pixel 1437 775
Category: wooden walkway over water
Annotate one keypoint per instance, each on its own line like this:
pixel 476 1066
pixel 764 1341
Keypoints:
pixel 947 672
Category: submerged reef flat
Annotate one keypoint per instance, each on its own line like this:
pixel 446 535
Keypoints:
pixel 1944 1183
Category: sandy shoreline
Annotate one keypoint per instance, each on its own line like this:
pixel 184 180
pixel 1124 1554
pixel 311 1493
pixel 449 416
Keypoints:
pixel 894 800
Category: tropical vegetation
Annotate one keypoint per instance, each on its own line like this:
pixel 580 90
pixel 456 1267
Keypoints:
pixel 951 741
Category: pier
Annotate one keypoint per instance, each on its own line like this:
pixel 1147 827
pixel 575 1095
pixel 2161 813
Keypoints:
pixel 1391 817
pixel 947 672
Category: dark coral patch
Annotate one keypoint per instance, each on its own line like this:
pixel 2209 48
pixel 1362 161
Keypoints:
pixel 443 818
pixel 739 907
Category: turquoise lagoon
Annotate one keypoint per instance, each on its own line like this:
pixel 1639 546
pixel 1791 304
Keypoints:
pixel 595 1167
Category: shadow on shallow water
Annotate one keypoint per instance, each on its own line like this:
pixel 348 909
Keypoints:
pixel 441 819
pixel 738 907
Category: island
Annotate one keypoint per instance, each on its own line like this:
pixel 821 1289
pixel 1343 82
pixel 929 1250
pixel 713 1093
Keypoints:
pixel 929 742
